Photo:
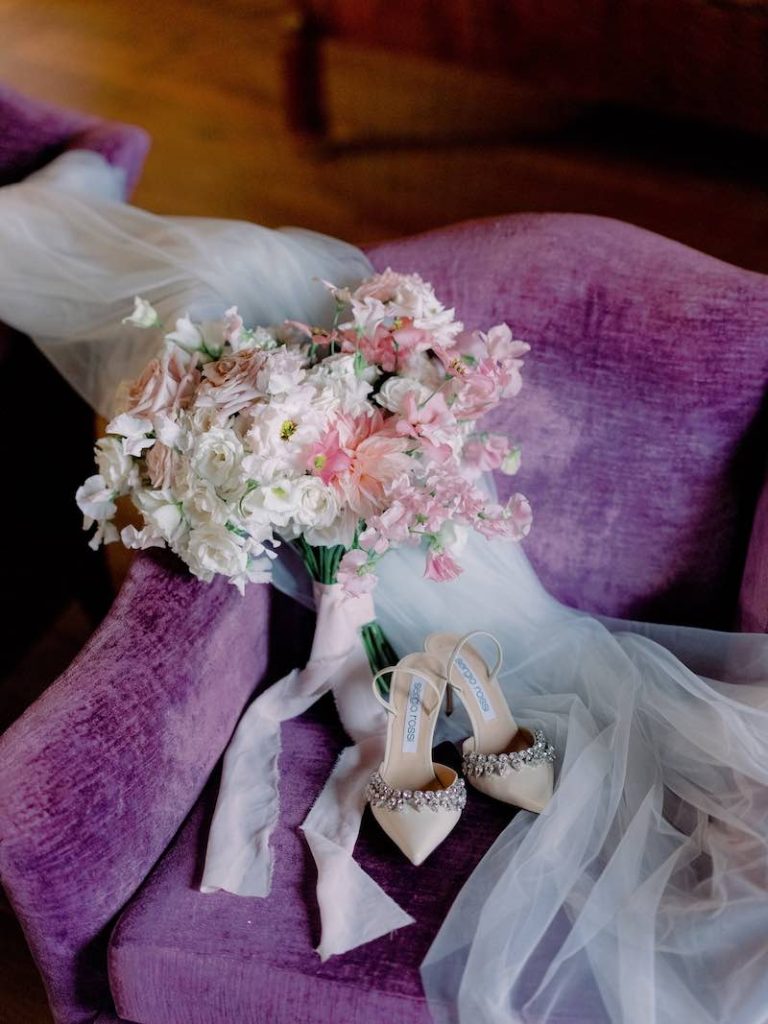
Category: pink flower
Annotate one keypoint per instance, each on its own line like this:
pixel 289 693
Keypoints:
pixel 166 384
pixel 233 326
pixel 327 459
pixel 519 516
pixel 441 567
pixel 378 459
pixel 161 465
pixel 378 348
pixel 355 573
pixel 485 452
pixel 477 391
pixel 432 420
pixel 230 383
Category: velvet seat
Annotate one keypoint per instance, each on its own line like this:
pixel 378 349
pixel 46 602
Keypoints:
pixel 643 427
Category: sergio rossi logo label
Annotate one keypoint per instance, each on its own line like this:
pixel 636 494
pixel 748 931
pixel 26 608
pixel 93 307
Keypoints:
pixel 413 716
pixel 477 689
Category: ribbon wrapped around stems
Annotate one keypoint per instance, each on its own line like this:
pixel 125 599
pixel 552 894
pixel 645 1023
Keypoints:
pixel 353 907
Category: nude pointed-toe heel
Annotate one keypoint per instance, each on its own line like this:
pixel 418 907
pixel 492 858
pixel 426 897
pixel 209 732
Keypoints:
pixel 416 801
pixel 501 759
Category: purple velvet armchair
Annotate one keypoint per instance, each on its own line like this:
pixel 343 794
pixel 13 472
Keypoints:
pixel 643 423
pixel 31 134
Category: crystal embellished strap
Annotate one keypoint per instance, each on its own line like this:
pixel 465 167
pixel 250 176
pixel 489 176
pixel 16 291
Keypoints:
pixel 452 798
pixel 539 752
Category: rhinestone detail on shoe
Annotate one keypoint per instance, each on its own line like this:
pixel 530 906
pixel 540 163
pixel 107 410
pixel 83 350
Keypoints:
pixel 379 794
pixel 539 752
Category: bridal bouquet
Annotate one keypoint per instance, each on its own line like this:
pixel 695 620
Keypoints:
pixel 343 442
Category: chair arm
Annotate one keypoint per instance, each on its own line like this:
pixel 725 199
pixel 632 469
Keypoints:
pixel 97 776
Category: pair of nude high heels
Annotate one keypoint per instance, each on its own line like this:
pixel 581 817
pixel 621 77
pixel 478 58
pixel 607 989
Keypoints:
pixel 417 801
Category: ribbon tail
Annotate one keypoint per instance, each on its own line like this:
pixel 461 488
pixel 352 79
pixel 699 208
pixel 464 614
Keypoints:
pixel 238 858
pixel 354 909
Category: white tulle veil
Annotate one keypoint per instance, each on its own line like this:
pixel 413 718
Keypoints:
pixel 640 896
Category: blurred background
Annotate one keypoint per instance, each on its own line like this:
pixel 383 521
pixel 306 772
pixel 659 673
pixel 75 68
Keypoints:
pixel 368 119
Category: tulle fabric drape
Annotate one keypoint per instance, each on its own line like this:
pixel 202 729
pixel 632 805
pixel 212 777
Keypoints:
pixel 640 896
pixel 72 259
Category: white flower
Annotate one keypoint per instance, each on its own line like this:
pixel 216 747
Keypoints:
pixel 315 503
pixel 133 430
pixel 117 469
pixel 511 462
pixel 143 315
pixel 105 534
pixel 161 513
pixel 95 499
pixel 282 372
pixel 341 531
pixel 452 537
pixel 273 504
pixel 216 457
pixel 147 537
pixel 394 391
pixel 212 549
pixel 186 335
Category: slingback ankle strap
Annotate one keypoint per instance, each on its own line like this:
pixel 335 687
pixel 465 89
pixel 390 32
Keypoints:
pixel 414 672
pixel 462 643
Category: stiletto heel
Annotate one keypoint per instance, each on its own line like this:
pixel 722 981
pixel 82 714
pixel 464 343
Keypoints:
pixel 416 801
pixel 501 759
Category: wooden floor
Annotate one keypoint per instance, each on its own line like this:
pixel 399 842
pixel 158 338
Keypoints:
pixel 415 145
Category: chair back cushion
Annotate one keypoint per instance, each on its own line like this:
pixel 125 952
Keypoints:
pixel 642 419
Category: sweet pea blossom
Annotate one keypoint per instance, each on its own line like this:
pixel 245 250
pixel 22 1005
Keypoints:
pixel 143 315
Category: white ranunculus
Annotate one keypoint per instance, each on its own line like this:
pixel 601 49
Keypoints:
pixel 216 457
pixel 282 373
pixel 95 499
pixel 212 549
pixel 116 468
pixel 315 503
pixel 394 391
pixel 143 315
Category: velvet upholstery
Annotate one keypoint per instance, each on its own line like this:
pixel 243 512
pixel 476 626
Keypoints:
pixel 97 776
pixel 643 415
pixel 32 133
pixel 640 420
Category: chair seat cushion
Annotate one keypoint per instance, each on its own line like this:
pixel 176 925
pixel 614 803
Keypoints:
pixel 179 957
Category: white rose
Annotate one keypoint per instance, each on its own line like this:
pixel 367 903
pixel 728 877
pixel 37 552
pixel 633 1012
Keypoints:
pixel 315 504
pixel 95 499
pixel 394 391
pixel 212 549
pixel 143 315
pixel 116 468
pixel 216 457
